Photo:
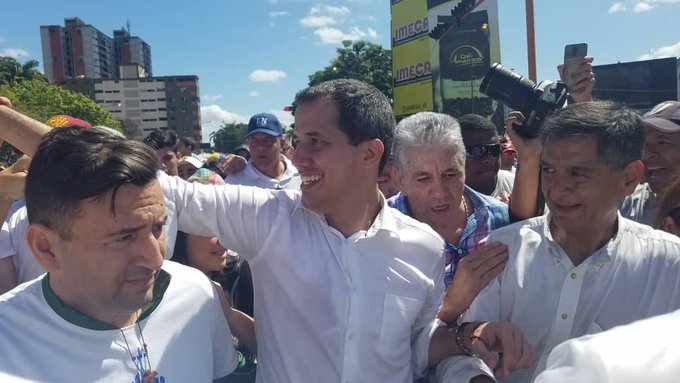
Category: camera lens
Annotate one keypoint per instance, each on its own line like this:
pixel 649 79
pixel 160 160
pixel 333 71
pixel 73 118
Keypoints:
pixel 502 84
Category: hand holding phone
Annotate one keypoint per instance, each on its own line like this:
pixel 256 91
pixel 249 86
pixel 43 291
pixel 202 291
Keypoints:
pixel 574 54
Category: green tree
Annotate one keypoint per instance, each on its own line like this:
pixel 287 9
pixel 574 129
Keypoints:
pixel 40 100
pixel 229 136
pixel 359 60
pixel 11 71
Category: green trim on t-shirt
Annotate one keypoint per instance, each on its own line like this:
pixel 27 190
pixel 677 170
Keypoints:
pixel 79 319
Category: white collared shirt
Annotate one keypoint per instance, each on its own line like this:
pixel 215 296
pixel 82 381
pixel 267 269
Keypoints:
pixel 328 308
pixel 635 275
pixel 641 352
pixel 250 176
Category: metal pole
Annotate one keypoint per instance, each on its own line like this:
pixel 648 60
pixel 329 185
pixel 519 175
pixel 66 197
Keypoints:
pixel 531 43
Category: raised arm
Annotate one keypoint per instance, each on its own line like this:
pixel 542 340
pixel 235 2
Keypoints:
pixel 21 131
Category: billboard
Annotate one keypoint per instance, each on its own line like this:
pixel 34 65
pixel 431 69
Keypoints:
pixel 441 50
pixel 411 66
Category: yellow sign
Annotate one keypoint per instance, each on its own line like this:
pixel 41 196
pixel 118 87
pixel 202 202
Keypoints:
pixel 411 63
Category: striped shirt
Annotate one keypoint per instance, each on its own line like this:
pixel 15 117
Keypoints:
pixel 488 214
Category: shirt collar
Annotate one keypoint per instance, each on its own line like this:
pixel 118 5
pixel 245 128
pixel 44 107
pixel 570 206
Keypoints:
pixel 604 254
pixel 252 173
pixel 385 220
pixel 79 319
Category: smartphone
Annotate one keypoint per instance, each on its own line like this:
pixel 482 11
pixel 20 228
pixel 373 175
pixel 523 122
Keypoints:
pixel 573 56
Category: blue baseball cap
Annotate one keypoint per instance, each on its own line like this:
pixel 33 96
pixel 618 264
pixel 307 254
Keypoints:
pixel 266 123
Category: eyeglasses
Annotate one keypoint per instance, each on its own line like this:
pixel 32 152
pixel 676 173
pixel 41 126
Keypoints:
pixel 480 151
pixel 261 141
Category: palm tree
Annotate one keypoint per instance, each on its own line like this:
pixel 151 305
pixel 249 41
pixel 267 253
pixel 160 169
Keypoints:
pixel 11 71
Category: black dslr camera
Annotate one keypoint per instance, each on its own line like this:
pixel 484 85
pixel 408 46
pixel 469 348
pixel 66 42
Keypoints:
pixel 534 101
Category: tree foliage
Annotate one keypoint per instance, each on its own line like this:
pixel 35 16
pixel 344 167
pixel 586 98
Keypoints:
pixel 359 60
pixel 229 136
pixel 11 71
pixel 40 100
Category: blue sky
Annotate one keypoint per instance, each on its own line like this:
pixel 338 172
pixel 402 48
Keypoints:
pixel 253 55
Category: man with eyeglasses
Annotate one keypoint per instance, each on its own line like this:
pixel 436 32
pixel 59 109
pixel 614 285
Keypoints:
pixel 483 165
pixel 267 168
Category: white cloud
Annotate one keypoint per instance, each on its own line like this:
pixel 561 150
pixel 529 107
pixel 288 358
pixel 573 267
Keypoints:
pixel 617 7
pixel 638 6
pixel 643 7
pixel 211 97
pixel 14 53
pixel 212 117
pixel 278 13
pixel 668 51
pixel 253 93
pixel 273 1
pixel 329 35
pixel 317 21
pixel 2 40
pixel 329 10
pixel 261 75
pixel 285 118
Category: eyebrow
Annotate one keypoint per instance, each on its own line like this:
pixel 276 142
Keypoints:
pixel 130 230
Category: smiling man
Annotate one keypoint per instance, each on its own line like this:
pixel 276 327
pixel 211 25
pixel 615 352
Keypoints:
pixel 662 161
pixel 105 308
pixel 582 268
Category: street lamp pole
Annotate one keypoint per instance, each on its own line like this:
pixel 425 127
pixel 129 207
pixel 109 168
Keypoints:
pixel 531 43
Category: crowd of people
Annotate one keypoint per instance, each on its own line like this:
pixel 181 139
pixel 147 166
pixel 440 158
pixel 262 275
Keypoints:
pixel 354 250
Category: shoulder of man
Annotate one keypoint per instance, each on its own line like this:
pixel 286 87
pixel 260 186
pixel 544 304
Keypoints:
pixel 190 280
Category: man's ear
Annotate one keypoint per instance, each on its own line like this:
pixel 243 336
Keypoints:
pixel 632 174
pixel 45 244
pixel 373 151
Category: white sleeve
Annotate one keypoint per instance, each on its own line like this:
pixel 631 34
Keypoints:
pixel 13 232
pixel 574 361
pixel 241 217
pixel 426 324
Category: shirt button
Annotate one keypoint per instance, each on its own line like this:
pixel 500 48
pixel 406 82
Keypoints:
pixel 350 336
pixel 573 275
pixel 565 316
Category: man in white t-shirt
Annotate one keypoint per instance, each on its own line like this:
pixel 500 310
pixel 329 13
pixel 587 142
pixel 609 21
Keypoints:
pixel 267 168
pixel 109 309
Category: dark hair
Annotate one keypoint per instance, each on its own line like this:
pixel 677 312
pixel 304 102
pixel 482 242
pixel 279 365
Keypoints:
pixel 188 142
pixel 365 112
pixel 72 165
pixel 474 122
pixel 159 139
pixel 619 131
pixel 179 252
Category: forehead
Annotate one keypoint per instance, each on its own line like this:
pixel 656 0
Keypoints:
pixel 133 205
pixel 432 157
pixel 319 116
pixel 573 151
pixel 655 134
pixel 479 137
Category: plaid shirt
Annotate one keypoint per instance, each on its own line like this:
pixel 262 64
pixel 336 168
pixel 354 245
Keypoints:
pixel 489 214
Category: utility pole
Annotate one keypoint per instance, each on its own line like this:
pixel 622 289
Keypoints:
pixel 531 42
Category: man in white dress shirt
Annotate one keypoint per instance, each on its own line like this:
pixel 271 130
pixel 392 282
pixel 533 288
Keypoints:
pixel 644 351
pixel 582 268
pixel 346 289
